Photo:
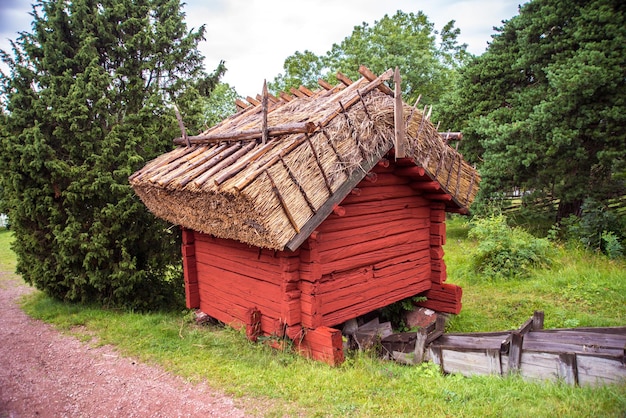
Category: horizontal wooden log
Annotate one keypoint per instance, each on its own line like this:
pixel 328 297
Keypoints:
pixel 409 289
pixel 410 171
pixel 436 253
pixel 383 179
pixel 384 206
pixel 359 295
pixel 438 196
pixel 382 193
pixel 331 240
pixel 389 245
pixel 335 224
pixel 425 186
pixel 240 289
pixel 368 257
pixel 251 134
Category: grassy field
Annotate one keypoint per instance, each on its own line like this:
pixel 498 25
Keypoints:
pixel 582 290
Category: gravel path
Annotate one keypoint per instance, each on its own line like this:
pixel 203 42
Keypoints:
pixel 46 374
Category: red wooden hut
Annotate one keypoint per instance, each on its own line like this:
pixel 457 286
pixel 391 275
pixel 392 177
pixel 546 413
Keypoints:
pixel 303 211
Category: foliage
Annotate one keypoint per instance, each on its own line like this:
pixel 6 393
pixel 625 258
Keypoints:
pixel 544 108
pixel 507 252
pixel 87 102
pixel 598 228
pixel 219 105
pixel 405 40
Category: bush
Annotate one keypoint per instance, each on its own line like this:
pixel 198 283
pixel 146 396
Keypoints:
pixel 598 229
pixel 507 252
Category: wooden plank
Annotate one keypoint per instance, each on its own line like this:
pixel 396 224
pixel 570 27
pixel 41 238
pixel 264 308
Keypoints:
pixel 398 117
pixel 468 363
pixel 515 351
pixel 597 370
pixel 568 369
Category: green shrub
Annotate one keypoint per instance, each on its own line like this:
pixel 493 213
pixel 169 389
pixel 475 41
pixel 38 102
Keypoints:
pixel 507 252
pixel 598 229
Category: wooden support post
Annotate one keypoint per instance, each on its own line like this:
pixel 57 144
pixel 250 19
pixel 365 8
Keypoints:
pixel 538 320
pixel 323 344
pixel 515 352
pixel 264 130
pixel 568 368
pixel 181 125
pixel 400 135
pixel 190 269
pixel 253 324
pixel 420 346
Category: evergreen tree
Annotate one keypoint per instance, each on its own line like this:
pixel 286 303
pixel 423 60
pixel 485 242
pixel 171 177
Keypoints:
pixel 405 40
pixel 544 108
pixel 88 102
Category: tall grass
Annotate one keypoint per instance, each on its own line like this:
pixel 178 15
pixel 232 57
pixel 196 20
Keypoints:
pixel 275 383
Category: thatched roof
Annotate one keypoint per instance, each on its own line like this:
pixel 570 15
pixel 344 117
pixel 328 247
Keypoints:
pixel 318 146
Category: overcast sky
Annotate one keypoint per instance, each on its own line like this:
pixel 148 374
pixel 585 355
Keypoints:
pixel 255 36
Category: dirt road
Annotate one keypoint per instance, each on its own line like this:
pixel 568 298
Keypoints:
pixel 46 374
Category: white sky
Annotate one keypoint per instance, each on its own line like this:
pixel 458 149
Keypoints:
pixel 255 36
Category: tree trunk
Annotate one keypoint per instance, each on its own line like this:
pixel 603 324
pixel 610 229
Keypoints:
pixel 569 208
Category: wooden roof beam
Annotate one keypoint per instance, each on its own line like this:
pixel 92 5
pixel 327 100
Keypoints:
pixel 306 91
pixel 324 84
pixel 367 73
pixel 344 78
pixel 252 100
pixel 296 92
pixel 241 105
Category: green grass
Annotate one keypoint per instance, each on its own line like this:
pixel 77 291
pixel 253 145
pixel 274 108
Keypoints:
pixel 584 288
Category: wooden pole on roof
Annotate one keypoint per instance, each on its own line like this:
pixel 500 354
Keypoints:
pixel 400 134
pixel 181 125
pixel 264 100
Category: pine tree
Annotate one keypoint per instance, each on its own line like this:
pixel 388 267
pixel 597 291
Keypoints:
pixel 544 109
pixel 88 102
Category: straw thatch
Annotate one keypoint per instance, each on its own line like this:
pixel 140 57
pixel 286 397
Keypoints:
pixel 228 183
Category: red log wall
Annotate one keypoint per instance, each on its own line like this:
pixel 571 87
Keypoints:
pixel 384 245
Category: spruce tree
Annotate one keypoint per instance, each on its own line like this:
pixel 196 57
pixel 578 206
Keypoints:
pixel 88 102
pixel 544 108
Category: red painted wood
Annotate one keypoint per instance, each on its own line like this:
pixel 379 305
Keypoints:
pixel 187 236
pixel 376 256
pixel 383 178
pixel 383 245
pixel 436 253
pixel 381 193
pixel 240 289
pixel 354 223
pixel 425 186
pixel 331 240
pixel 438 196
pixel 323 344
pixel 336 295
pixel 352 311
pixel 339 210
pixel 437 214
pixel 253 324
pixel 438 228
pixel 410 171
